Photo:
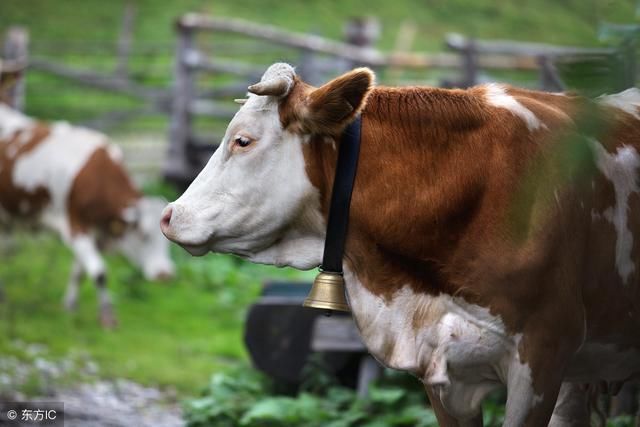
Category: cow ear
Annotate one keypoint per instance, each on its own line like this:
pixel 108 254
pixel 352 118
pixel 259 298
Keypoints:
pixel 332 106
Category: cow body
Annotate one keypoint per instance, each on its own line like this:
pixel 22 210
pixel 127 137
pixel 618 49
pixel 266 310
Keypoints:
pixel 491 235
pixel 70 180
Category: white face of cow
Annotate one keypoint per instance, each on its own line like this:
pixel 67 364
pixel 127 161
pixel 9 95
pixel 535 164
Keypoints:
pixel 254 198
pixel 143 245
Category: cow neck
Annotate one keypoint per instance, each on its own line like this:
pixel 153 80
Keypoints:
pixel 345 175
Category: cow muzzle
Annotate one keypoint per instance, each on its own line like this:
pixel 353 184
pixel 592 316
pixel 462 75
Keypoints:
pixel 165 222
pixel 173 223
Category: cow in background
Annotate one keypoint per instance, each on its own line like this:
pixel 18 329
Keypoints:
pixel 71 180
pixel 491 235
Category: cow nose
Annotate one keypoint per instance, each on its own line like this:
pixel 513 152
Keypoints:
pixel 165 221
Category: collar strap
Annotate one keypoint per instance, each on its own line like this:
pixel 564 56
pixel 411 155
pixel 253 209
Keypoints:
pixel 346 167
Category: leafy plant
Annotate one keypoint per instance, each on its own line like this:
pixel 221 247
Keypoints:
pixel 622 421
pixel 612 70
pixel 245 398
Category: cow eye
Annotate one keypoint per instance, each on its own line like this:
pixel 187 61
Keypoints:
pixel 242 141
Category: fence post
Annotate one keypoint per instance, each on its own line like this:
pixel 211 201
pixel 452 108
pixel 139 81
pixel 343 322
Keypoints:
pixel 124 41
pixel 469 64
pixel 549 79
pixel 16 47
pixel 362 32
pixel 629 50
pixel 177 166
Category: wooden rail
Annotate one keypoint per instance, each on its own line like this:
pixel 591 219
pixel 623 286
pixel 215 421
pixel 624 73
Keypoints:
pixel 362 55
pixel 317 55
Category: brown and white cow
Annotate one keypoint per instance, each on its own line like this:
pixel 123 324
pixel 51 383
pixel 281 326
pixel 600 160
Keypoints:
pixel 71 180
pixel 491 236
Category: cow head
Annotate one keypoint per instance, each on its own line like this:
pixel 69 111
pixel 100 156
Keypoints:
pixel 254 197
pixel 142 243
pixel 10 74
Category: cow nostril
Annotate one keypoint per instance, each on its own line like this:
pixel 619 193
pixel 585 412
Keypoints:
pixel 166 219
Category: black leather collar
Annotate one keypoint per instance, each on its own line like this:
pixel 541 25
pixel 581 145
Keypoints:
pixel 346 167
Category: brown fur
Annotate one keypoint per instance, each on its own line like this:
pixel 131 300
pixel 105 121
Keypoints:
pixel 11 197
pixel 456 196
pixel 328 109
pixel 94 204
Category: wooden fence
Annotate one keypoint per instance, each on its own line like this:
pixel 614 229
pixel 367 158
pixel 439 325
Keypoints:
pixel 16 56
pixel 209 71
pixel 188 150
pixel 317 58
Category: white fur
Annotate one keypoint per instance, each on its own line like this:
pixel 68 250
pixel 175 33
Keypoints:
pixel 621 169
pixel 87 254
pixel 466 350
pixel 627 101
pixel 498 97
pixel 54 164
pixel 258 203
pixel 12 121
pixel 521 397
pixel 144 245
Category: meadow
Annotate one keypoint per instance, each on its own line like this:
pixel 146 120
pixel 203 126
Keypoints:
pixel 172 334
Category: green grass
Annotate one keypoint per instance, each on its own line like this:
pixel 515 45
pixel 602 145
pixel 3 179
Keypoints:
pixel 84 33
pixel 568 21
pixel 171 334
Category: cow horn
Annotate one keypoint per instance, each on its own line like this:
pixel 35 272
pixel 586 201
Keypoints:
pixel 278 86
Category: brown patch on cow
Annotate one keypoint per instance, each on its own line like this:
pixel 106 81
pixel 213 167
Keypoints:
pixel 100 193
pixel 439 175
pixel 438 178
pixel 17 201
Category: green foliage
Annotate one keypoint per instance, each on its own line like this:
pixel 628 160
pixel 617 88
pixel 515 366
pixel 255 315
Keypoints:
pixel 171 335
pixel 245 398
pixel 84 33
pixel 596 74
pixel 622 421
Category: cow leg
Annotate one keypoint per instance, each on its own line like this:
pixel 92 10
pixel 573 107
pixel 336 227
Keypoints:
pixel 444 418
pixel 535 376
pixel 71 296
pixel 87 253
pixel 572 407
pixel 526 406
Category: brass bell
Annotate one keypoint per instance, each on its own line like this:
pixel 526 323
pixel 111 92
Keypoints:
pixel 327 292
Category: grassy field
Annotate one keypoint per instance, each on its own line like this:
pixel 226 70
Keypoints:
pixel 171 334
pixel 84 33
pixel 568 21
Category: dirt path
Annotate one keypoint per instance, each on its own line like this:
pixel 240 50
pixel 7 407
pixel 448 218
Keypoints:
pixel 88 400
pixel 117 404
